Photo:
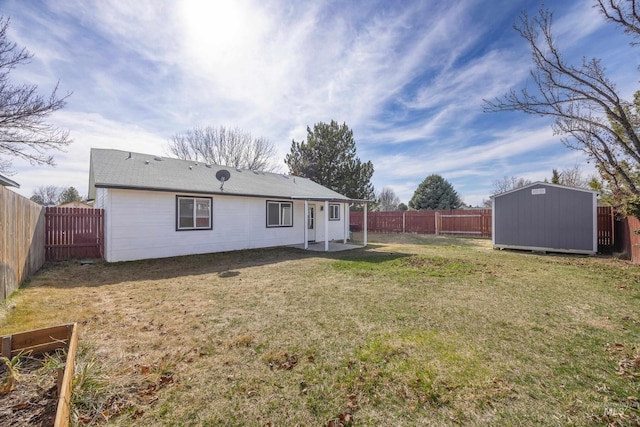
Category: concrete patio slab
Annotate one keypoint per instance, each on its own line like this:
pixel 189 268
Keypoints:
pixel 333 246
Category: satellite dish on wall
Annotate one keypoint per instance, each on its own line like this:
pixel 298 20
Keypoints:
pixel 222 175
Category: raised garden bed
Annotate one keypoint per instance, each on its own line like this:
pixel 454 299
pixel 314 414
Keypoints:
pixel 35 376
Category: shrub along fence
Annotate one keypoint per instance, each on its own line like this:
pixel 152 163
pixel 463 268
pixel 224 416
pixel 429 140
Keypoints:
pixel 22 229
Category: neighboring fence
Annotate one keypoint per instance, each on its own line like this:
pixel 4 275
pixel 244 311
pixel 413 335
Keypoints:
pixel 606 228
pixel 470 222
pixel 22 229
pixel 467 222
pixel 74 233
pixel 628 242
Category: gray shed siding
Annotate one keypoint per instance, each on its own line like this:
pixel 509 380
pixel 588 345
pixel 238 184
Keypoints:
pixel 546 217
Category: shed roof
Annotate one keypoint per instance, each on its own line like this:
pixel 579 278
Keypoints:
pixel 128 170
pixel 547 184
pixel 6 182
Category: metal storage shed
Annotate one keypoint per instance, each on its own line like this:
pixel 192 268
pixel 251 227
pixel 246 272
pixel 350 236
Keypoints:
pixel 546 217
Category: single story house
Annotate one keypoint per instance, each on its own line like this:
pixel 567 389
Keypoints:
pixel 157 207
pixel 546 217
pixel 6 182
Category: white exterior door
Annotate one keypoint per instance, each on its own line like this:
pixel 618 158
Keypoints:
pixel 311 223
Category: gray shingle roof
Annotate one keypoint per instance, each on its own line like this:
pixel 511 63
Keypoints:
pixel 121 169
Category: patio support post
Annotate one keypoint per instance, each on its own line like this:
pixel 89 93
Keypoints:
pixel 366 205
pixel 346 223
pixel 326 226
pixel 306 224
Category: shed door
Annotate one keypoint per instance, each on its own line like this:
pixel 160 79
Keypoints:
pixel 311 223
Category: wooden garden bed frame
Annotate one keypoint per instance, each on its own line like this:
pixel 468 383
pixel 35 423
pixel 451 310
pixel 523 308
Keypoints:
pixel 41 341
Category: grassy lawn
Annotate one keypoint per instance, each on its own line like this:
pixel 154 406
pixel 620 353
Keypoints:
pixel 409 331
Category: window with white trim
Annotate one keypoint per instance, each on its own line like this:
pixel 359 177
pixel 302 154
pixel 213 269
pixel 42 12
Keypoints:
pixel 193 213
pixel 279 214
pixel 334 212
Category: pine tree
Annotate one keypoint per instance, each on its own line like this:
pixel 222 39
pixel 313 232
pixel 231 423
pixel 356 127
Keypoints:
pixel 70 195
pixel 435 193
pixel 328 157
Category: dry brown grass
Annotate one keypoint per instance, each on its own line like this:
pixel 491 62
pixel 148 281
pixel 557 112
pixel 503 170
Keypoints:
pixel 410 331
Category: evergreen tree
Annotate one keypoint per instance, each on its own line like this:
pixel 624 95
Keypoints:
pixel 555 176
pixel 328 157
pixel 70 195
pixel 435 193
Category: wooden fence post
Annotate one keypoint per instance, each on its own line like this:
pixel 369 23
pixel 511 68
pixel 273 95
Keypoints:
pixel 404 221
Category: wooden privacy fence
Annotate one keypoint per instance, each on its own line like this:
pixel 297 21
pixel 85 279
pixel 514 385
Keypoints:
pixel 74 233
pixel 628 232
pixel 469 222
pixel 606 227
pixel 22 228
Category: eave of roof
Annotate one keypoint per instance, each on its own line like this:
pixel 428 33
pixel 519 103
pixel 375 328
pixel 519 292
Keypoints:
pixel 548 184
pixel 6 182
pixel 223 193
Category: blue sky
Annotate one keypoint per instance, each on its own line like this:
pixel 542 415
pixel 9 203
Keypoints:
pixel 408 77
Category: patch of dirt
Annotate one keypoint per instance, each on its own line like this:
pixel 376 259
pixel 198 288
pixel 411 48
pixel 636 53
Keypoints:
pixel 33 401
pixel 584 313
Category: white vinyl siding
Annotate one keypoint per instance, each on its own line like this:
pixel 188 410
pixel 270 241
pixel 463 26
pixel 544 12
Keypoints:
pixel 279 214
pixel 141 224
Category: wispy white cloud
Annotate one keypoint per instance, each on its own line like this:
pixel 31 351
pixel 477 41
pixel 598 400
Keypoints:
pixel 89 130
pixel 576 24
pixel 407 77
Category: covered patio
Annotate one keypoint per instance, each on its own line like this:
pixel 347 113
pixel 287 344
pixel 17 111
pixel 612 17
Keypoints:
pixel 327 245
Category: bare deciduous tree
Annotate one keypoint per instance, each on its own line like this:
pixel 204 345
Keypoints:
pixel 388 200
pixel 506 183
pixel 222 146
pixel 573 177
pixel 47 195
pixel 625 15
pixel 23 131
pixel 509 183
pixel 588 111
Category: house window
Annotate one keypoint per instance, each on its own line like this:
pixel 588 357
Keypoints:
pixel 279 214
pixel 334 212
pixel 193 213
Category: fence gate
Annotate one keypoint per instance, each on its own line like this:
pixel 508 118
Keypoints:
pixel 74 233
